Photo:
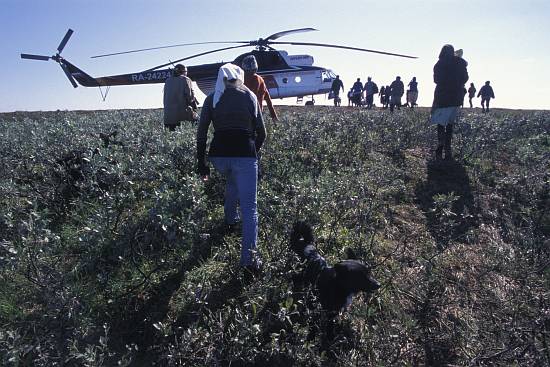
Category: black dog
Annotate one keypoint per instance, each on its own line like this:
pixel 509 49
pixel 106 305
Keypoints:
pixel 336 284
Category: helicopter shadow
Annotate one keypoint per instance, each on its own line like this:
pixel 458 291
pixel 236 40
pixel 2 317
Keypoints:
pixel 447 201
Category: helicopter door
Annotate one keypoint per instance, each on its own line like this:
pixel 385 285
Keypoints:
pixel 272 86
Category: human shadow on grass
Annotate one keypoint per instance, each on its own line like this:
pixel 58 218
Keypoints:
pixel 447 201
pixel 448 204
pixel 136 324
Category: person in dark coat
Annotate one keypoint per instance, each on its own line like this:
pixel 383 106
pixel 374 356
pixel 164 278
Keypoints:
pixel 335 89
pixel 239 134
pixel 357 92
pixel 382 95
pixel 370 89
pixel 486 93
pixel 471 94
pixel 387 97
pixel 412 93
pixel 450 76
pixel 397 89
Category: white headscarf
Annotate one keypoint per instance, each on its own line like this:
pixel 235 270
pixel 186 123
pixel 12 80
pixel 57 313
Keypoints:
pixel 227 72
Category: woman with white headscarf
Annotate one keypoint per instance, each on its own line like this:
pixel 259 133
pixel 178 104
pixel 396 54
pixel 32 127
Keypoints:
pixel 239 133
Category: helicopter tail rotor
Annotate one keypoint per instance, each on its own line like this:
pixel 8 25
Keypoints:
pixel 57 57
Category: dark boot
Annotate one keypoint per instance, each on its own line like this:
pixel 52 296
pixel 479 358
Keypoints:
pixel 439 153
pixel 440 142
pixel 448 138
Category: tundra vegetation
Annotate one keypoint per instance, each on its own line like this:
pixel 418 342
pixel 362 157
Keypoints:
pixel 113 251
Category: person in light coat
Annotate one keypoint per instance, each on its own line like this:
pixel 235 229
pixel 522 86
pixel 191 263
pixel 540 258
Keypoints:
pixel 179 98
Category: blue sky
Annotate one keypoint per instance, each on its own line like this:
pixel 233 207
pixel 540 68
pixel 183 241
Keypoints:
pixel 503 41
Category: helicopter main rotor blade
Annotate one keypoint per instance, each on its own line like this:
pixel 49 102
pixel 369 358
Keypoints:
pixel 35 57
pixel 341 47
pixel 290 31
pixel 167 46
pixel 64 40
pixel 197 55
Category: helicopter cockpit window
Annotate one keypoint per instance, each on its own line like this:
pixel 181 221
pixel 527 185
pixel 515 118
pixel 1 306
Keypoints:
pixel 328 76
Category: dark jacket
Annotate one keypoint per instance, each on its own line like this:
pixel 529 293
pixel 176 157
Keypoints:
pixel 486 92
pixel 238 125
pixel 450 75
pixel 397 88
pixel 336 85
pixel 357 88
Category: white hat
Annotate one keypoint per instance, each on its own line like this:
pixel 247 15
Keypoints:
pixel 227 72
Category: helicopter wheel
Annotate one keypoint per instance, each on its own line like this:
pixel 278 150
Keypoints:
pixel 310 103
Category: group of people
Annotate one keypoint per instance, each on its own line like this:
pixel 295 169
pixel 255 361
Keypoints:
pixel 390 95
pixel 486 93
pixel 235 111
pixel 180 103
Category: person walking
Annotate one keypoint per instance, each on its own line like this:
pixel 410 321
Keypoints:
pixel 370 89
pixel 239 134
pixel 382 95
pixel 256 84
pixel 179 99
pixel 471 94
pixel 412 93
pixel 397 89
pixel 486 93
pixel 450 76
pixel 387 97
pixel 357 93
pixel 335 89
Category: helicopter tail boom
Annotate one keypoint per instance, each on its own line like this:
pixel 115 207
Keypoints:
pixel 77 74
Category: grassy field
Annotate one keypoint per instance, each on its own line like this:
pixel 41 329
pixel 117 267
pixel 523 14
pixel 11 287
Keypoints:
pixel 112 251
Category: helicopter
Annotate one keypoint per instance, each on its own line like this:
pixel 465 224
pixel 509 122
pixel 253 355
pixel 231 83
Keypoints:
pixel 285 75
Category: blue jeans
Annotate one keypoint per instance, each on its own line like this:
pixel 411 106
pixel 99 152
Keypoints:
pixel 242 178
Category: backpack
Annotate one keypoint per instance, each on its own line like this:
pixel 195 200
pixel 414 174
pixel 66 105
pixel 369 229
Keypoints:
pixel 374 88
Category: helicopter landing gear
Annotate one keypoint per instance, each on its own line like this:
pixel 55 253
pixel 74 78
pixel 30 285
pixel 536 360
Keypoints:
pixel 310 103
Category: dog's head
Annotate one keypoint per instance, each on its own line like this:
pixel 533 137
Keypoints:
pixel 301 236
pixel 356 276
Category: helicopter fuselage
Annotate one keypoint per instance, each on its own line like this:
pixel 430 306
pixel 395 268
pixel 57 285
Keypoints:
pixel 285 75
